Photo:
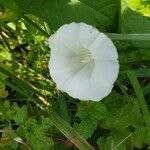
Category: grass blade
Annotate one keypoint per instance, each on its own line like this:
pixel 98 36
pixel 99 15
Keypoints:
pixel 35 26
pixel 70 133
pixel 130 36
pixel 63 108
pixel 24 88
pixel 146 90
pixel 140 73
pixel 139 93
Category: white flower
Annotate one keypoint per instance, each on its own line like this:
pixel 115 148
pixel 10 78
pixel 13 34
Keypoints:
pixel 83 61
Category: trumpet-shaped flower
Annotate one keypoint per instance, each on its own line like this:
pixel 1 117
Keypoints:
pixel 83 61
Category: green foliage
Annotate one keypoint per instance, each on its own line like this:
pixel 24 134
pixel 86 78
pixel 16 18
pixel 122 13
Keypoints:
pixel 141 6
pixel 86 127
pixel 133 22
pixel 35 134
pixel 114 141
pixel 140 136
pixel 21 116
pixel 9 10
pixel 105 143
pixel 101 14
pixel 93 109
pixel 133 56
pixel 3 92
pixel 6 142
pixel 89 113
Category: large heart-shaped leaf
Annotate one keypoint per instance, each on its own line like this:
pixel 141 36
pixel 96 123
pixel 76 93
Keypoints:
pixel 101 14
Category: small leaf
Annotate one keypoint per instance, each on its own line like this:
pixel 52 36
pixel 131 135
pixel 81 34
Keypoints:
pixel 95 110
pixel 21 115
pixel 140 136
pixel 86 127
pixel 105 143
pixel 98 111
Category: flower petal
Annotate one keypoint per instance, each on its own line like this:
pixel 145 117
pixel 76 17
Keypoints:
pixel 61 68
pixel 103 48
pixel 106 71
pixel 68 35
pixel 78 86
pixel 87 35
pixel 59 47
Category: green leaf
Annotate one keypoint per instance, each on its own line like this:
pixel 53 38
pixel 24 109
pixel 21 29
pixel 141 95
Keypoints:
pixel 21 131
pixel 98 111
pixel 86 127
pixel 3 92
pixel 89 113
pixel 140 137
pixel 38 141
pixel 129 116
pixel 7 142
pixel 8 110
pixel 115 102
pixel 95 110
pixel 36 136
pixel 108 143
pixel 21 116
pixel 123 112
pixel 101 14
pixel 46 124
pixel 134 22
pixel 105 143
pixel 117 140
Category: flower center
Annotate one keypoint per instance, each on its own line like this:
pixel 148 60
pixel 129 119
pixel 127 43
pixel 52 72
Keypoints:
pixel 86 57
